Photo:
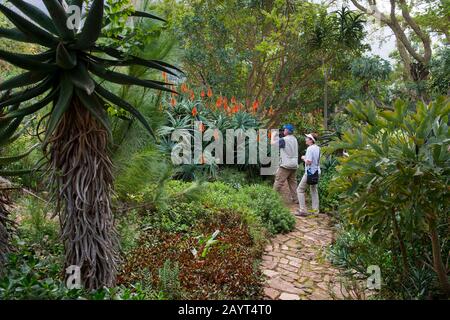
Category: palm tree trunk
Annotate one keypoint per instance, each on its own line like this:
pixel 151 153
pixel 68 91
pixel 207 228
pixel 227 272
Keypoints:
pixel 83 177
pixel 6 228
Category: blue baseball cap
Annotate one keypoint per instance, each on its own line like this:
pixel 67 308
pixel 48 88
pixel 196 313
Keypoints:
pixel 289 127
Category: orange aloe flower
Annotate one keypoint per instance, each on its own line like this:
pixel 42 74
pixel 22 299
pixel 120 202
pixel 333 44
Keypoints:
pixel 173 102
pixel 194 111
pixel 269 134
pixel 219 102
pixel 255 105
pixel 164 75
pixel 202 94
pixel 210 93
pixel 233 100
pixel 201 127
pixel 271 112
pixel 184 88
pixel 192 96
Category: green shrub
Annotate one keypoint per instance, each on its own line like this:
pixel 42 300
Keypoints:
pixel 178 216
pixel 142 174
pixel 268 204
pixel 329 200
pixel 129 228
pixel 169 282
pixel 35 219
pixel 354 252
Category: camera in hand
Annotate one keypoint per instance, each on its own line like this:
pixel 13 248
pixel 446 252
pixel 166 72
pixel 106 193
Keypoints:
pixel 281 133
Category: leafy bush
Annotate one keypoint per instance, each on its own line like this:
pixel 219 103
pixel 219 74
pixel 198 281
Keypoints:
pixel 169 282
pixel 394 183
pixel 268 204
pixel 178 216
pixel 35 223
pixel 329 200
pixel 354 252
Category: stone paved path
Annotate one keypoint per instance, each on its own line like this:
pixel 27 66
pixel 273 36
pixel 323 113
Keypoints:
pixel 295 266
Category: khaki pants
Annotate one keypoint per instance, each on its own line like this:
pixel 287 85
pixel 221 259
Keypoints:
pixel 301 195
pixel 289 175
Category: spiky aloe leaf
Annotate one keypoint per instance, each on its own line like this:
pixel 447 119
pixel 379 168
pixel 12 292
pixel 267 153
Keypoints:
pixel 14 34
pixel 146 15
pixel 32 31
pixel 28 94
pixel 46 56
pixel 92 26
pixel 59 19
pixel 15 173
pixel 96 108
pixel 136 60
pixel 26 61
pixel 81 79
pixel 35 14
pixel 131 61
pixel 62 105
pixel 22 80
pixel 111 97
pixel 20 113
pixel 121 78
pixel 9 131
pixel 12 159
pixel 66 59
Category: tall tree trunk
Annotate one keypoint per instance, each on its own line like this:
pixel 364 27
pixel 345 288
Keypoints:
pixel 437 259
pixel 6 228
pixel 82 174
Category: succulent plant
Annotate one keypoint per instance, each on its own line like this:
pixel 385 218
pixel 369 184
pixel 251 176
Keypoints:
pixel 69 75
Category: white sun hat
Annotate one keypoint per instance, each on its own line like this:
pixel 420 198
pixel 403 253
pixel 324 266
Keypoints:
pixel 309 135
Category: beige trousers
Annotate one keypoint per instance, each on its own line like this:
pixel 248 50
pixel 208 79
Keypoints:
pixel 301 195
pixel 289 175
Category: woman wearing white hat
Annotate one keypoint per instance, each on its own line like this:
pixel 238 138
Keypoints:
pixel 312 172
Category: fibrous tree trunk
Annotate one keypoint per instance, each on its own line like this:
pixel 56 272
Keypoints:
pixel 6 229
pixel 82 174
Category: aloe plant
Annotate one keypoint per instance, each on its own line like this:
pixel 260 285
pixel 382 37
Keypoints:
pixel 69 75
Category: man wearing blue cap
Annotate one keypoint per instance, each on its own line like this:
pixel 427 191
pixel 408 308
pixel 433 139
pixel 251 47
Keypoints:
pixel 287 172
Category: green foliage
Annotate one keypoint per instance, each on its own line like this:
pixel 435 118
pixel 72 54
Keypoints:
pixel 394 184
pixel 329 200
pixel 182 114
pixel 370 68
pixel 256 201
pixel 179 217
pixel 129 229
pixel 269 206
pixel 440 72
pixel 262 51
pixel 169 281
pixel 34 215
pixel 66 70
pixel 354 251
pixel 145 169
